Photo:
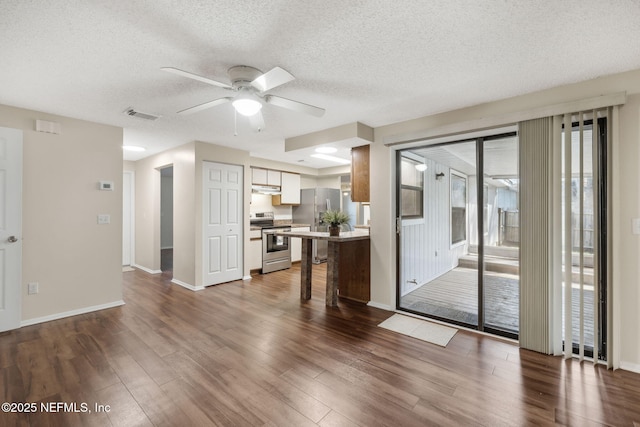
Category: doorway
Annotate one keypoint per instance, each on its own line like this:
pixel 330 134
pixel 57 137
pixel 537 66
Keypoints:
pixel 223 220
pixel 166 219
pixel 458 245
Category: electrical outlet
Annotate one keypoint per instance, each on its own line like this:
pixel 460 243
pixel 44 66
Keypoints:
pixel 33 288
pixel 104 219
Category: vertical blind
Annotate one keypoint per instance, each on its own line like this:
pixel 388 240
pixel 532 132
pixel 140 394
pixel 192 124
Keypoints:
pixel 535 138
pixel 560 198
pixel 584 152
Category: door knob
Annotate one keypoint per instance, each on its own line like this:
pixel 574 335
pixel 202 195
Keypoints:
pixel 12 239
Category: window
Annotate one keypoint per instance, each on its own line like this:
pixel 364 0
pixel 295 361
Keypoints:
pixel 412 189
pixel 458 208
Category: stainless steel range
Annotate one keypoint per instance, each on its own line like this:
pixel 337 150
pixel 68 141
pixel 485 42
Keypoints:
pixel 276 250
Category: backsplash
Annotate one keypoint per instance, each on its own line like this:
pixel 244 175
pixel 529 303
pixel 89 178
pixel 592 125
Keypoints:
pixel 262 203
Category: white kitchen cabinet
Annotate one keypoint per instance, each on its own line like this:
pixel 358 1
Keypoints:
pixel 255 250
pixel 273 177
pixel 289 191
pixel 259 176
pixel 296 245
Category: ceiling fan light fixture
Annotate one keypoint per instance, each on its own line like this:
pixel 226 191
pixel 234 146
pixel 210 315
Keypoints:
pixel 246 105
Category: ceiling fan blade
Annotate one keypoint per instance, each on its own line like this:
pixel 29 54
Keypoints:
pixel 257 122
pixel 196 77
pixel 294 105
pixel 272 78
pixel 204 106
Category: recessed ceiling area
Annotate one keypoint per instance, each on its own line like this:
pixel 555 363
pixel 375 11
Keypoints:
pixel 371 61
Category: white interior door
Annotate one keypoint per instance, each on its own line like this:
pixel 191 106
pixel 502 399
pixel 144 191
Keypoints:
pixel 127 218
pixel 222 222
pixel 10 227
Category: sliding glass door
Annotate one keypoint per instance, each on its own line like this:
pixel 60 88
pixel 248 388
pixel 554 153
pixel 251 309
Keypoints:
pixel 501 240
pixel 458 233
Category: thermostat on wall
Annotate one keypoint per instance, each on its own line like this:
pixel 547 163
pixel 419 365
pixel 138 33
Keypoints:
pixel 105 185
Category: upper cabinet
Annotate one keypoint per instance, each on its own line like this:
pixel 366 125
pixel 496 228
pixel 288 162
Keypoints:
pixel 261 176
pixel 360 174
pixel 274 177
pixel 258 176
pixel 289 190
pixel 288 182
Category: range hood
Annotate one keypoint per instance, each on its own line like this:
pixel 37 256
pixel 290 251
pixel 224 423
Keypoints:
pixel 265 189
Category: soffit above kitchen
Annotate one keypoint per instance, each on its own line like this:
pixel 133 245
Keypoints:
pixel 373 62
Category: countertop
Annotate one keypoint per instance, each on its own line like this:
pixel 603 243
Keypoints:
pixel 345 236
pixel 294 225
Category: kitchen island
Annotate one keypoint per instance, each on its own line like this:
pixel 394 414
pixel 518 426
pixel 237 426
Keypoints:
pixel 348 264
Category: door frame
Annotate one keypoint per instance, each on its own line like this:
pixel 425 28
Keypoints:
pixel 479 145
pixel 132 216
pixel 241 209
pixel 13 271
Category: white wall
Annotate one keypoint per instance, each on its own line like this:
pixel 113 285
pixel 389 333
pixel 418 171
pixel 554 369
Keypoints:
pixel 147 211
pixel 625 192
pixel 626 246
pixel 307 181
pixel 426 243
pixel 328 182
pixel 263 203
pixel 77 262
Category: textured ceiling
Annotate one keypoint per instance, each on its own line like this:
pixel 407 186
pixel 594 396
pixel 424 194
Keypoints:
pixel 376 62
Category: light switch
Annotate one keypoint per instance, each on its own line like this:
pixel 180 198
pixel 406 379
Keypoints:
pixel 635 225
pixel 104 219
pixel 33 288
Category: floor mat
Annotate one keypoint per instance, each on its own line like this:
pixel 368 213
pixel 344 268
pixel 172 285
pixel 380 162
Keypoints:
pixel 420 329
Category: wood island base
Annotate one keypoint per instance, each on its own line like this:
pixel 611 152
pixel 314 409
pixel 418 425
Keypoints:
pixel 348 265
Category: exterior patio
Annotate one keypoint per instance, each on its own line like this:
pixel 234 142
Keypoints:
pixel 453 296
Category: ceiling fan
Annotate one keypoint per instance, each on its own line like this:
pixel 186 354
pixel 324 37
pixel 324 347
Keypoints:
pixel 250 86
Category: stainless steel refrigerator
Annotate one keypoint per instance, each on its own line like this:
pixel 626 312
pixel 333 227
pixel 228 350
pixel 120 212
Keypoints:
pixel 313 203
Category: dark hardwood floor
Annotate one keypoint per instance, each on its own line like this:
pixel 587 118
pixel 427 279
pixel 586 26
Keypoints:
pixel 251 353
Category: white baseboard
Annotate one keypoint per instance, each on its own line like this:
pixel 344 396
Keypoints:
pixel 247 277
pixel 187 285
pixel 148 270
pixel 627 366
pixel 380 306
pixel 57 316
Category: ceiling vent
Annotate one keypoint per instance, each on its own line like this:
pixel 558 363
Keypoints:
pixel 140 115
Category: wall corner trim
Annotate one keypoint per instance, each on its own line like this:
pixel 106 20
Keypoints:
pixel 147 270
pixel 187 285
pixel 380 306
pixel 77 312
pixel 632 367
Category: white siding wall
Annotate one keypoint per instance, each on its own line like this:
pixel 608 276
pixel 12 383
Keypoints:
pixel 422 239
